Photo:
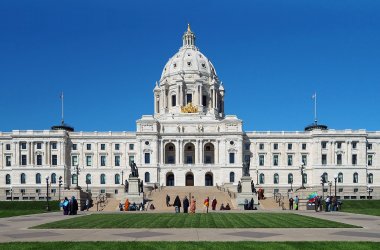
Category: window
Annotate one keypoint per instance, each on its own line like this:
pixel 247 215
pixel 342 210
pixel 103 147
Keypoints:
pixel 339 159
pixel 261 160
pixel 102 160
pixel 102 179
pixel 275 179
pixel 102 146
pixel 74 160
pixel 171 159
pixel 53 145
pixel 88 178
pixel 75 146
pixel 147 158
pixel 131 159
pixel 370 178
pixel 290 178
pixel 174 101
pixel 189 98
pixel 369 161
pixel 53 178
pixel 340 178
pixel 324 145
pixel 38 178
pixel 117 179
pixel 74 179
pixel 208 159
pixel 131 146
pixel 304 159
pixel 117 146
pixel 275 160
pixel 355 178
pixel 8 179
pixel 23 145
pixel 354 159
pixel 261 146
pixel 39 145
pixel 369 146
pixel 189 159
pixel 290 146
pixel 204 100
pixel 23 178
pixel 339 145
pixel 247 146
pixel 262 178
pixel 305 178
pixel 39 160
pixel 54 160
pixel 232 177
pixel 147 177
pixel 275 146
pixel 117 160
pixel 232 158
pixel 88 160
pixel 303 146
pixel 354 145
pixel 7 146
pixel 290 160
pixel 23 160
pixel 324 159
pixel 8 160
pixel 88 146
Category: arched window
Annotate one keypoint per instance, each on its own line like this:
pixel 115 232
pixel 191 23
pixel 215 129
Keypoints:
pixel 74 179
pixel 275 178
pixel 8 179
pixel 23 178
pixel 117 179
pixel 38 178
pixel 325 177
pixel 232 177
pixel 290 178
pixel 262 178
pixel 53 178
pixel 370 178
pixel 340 178
pixel 355 177
pixel 305 178
pixel 88 178
pixel 147 177
pixel 102 179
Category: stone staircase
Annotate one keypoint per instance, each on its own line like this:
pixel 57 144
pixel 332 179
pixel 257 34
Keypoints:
pixel 108 204
pixel 269 204
pixel 158 198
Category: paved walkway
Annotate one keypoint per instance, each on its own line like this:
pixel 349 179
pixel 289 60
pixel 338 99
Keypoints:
pixel 16 229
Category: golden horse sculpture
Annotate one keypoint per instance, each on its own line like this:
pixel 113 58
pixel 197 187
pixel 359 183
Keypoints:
pixel 189 108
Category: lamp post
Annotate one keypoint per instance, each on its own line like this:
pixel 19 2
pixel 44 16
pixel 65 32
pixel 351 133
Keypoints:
pixel 257 176
pixel 335 179
pixel 59 187
pixel 302 168
pixel 323 186
pixel 77 173
pixel 47 193
pixel 122 177
pixel 11 193
pixel 330 184
pixel 369 189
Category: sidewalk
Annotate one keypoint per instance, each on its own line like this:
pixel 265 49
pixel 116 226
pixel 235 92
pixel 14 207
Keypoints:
pixel 16 229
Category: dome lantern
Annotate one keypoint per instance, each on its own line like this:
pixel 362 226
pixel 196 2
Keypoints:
pixel 188 38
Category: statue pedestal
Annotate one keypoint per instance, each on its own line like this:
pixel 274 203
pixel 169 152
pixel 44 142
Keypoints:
pixel 246 193
pixel 133 194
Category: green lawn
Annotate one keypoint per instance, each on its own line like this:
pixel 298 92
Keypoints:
pixel 370 207
pixel 192 245
pixel 201 220
pixel 15 208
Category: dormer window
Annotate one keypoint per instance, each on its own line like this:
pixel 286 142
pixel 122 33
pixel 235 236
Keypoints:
pixel 174 65
pixel 189 64
pixel 203 65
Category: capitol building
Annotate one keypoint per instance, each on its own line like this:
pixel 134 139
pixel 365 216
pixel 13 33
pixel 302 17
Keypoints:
pixel 189 141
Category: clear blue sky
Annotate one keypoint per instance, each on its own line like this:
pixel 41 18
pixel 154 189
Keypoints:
pixel 271 56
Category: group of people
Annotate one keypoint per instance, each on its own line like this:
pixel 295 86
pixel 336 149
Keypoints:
pixel 293 203
pixel 190 205
pixel 227 207
pixel 131 207
pixel 332 204
pixel 249 205
pixel 70 207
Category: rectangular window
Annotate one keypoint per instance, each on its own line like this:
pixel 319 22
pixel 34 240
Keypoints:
pixel 88 146
pixel 74 160
pixel 204 100
pixel 117 160
pixel 339 145
pixel 189 159
pixel 39 160
pixel 147 158
pixel 75 146
pixel 304 159
pixel 54 160
pixel 131 159
pixel 275 160
pixel 303 146
pixel 102 160
pixel 324 159
pixel 275 146
pixel 189 98
pixel 173 101
pixel 261 146
pixel 53 145
pixel 131 146
pixel 8 147
pixel 290 146
pixel 39 145
pixel 290 160
pixel 339 159
pixel 117 146
pixel 324 145
pixel 354 145
pixel 232 158
pixel 354 159
pixel 370 160
pixel 261 160
pixel 23 145
pixel 8 161
pixel 208 159
pixel 23 160
pixel 88 160
pixel 369 146
pixel 102 146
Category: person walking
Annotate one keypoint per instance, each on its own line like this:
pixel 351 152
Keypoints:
pixel 213 204
pixel 177 204
pixel 327 204
pixel 296 201
pixel 291 200
pixel 193 205
pixel 167 200
pixel 207 203
pixel 185 204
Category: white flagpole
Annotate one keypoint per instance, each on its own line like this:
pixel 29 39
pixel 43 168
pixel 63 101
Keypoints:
pixel 62 106
pixel 315 108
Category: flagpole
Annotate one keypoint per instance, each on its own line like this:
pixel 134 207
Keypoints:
pixel 62 106
pixel 315 108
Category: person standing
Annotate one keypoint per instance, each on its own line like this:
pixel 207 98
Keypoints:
pixel 193 205
pixel 167 200
pixel 207 203
pixel 65 206
pixel 185 204
pixel 213 204
pixel 291 200
pixel 327 204
pixel 177 204
pixel 73 206
pixel 296 201
pixel 87 204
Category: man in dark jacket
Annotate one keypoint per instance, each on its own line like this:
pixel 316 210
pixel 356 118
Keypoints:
pixel 186 204
pixel 167 200
pixel 177 204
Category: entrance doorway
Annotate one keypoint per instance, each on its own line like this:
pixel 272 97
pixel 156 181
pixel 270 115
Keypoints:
pixel 170 179
pixel 209 179
pixel 189 179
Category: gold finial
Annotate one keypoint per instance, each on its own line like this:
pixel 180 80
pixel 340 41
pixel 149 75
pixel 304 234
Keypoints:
pixel 188 27
pixel 189 108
